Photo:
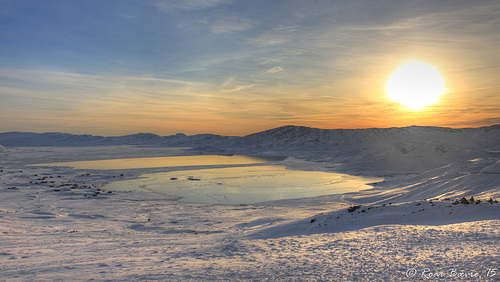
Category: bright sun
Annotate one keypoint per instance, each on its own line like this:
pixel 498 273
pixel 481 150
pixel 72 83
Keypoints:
pixel 415 85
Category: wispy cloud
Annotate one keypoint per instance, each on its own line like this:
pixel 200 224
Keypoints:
pixel 188 5
pixel 71 78
pixel 237 88
pixel 404 24
pixel 486 121
pixel 228 82
pixel 228 25
pixel 80 91
pixel 274 69
pixel 231 85
pixel 277 36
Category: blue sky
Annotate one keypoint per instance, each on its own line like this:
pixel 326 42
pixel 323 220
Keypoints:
pixel 237 67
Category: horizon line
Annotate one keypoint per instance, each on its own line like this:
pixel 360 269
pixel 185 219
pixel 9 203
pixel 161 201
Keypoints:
pixel 274 128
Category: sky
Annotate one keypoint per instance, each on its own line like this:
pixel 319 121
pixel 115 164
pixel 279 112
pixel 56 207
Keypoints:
pixel 235 67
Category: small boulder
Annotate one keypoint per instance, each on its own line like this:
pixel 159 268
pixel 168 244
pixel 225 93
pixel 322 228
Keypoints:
pixel 353 208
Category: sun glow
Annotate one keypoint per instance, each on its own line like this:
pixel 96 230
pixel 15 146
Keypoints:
pixel 415 85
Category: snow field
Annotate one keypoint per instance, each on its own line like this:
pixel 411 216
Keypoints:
pixel 58 223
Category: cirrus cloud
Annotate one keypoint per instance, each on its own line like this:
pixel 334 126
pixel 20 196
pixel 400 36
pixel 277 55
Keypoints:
pixel 188 5
pixel 274 69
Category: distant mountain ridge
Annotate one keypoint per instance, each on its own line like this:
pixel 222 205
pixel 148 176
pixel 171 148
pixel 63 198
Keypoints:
pixel 289 136
pixel 413 148
pixel 30 139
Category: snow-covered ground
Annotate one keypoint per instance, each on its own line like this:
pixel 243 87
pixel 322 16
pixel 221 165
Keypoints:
pixel 57 223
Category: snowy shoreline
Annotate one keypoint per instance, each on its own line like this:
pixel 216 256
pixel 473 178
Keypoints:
pixel 66 227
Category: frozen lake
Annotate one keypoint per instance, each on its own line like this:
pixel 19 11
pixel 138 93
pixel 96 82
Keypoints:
pixel 244 185
pixel 154 162
pixel 243 180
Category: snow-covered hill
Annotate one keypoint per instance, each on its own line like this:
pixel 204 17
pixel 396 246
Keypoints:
pixel 425 212
pixel 362 151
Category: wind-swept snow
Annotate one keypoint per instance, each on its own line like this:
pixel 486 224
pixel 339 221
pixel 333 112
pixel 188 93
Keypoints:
pixel 432 212
pixel 58 223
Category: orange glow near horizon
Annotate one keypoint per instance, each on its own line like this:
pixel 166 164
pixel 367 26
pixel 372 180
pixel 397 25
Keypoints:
pixel 141 107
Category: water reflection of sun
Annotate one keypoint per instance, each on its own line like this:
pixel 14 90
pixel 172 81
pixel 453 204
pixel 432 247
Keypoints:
pixel 415 85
